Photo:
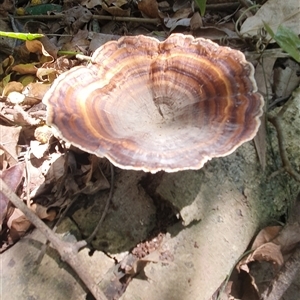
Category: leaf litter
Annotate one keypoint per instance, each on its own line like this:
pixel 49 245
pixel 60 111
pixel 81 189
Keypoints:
pixel 46 173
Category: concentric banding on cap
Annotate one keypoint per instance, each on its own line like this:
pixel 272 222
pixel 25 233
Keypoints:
pixel 150 105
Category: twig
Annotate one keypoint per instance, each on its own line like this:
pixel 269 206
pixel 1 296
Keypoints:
pixel 96 17
pixel 282 145
pixel 284 278
pixel 112 179
pixel 67 251
pixel 28 175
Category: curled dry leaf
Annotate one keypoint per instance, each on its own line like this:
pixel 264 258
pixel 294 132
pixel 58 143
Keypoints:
pixel 12 177
pixel 25 68
pixel 18 225
pixel 46 74
pixel 268 252
pixel 91 3
pixel 12 86
pixel 43 212
pixel 266 235
pixel 9 137
pixel 36 90
pixel 149 8
pixel 35 46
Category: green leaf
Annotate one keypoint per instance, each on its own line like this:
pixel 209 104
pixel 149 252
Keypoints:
pixel 202 6
pixel 43 9
pixel 22 36
pixel 287 39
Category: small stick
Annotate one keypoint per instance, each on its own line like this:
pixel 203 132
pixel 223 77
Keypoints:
pixel 112 177
pixel 282 146
pixel 66 250
pixel 97 17
pixel 284 278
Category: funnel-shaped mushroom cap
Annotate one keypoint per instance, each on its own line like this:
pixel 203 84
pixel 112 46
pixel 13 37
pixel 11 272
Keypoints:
pixel 150 105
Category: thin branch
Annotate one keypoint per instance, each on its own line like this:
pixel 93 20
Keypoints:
pixel 112 179
pixel 284 278
pixel 67 251
pixel 282 145
pixel 96 17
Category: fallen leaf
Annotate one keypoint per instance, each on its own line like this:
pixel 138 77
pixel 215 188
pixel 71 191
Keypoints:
pixel 116 11
pixel 43 212
pixel 18 225
pixel 149 8
pixel 286 13
pixel 268 252
pixel 9 137
pixel 265 235
pixel 12 177
pixel 25 68
pixel 196 21
pixel 36 46
pixel 12 86
pixel 76 17
pixel 91 3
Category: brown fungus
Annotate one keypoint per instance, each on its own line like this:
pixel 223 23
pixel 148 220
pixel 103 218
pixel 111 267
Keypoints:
pixel 150 105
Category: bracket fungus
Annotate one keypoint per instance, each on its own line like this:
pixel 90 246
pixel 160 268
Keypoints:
pixel 150 105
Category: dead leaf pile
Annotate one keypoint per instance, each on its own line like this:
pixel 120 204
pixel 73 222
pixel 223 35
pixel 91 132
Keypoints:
pixel 30 153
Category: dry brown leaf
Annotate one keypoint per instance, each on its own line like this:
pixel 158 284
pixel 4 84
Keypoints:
pixel 12 86
pixel 9 137
pixel 268 252
pixel 265 235
pixel 36 90
pixel 25 69
pixel 180 4
pixel 35 46
pixel 46 74
pixel 116 11
pixel 215 33
pixel 12 177
pixel 18 225
pixel 149 8
pixel 117 3
pixel 43 212
pixel 6 65
pixel 196 21
pixel 91 3
pixel 76 17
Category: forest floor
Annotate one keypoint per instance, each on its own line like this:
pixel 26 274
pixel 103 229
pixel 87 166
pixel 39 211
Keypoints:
pixel 228 230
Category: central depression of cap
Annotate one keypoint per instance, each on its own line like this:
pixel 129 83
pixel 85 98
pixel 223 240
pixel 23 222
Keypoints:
pixel 151 105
